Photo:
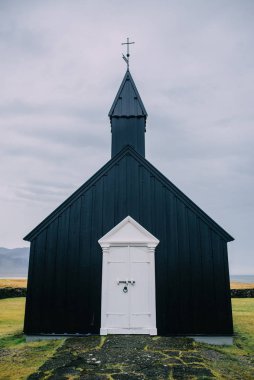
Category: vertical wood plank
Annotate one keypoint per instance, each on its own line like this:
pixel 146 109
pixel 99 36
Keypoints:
pixel 61 272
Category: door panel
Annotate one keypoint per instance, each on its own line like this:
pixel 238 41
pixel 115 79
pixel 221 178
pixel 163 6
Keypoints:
pixel 117 300
pixel 140 313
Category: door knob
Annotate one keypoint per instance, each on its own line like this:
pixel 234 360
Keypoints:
pixel 125 289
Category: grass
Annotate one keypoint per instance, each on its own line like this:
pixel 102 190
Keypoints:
pixel 243 312
pixel 13 283
pixel 241 285
pixel 18 359
pixel 11 315
pixel 237 361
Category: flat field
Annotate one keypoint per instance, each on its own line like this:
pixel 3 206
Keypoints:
pixel 241 285
pixel 124 357
pixel 13 283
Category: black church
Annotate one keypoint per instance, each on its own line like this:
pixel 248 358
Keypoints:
pixel 128 252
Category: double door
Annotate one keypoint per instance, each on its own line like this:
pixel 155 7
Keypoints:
pixel 128 291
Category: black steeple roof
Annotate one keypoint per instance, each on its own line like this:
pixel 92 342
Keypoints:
pixel 127 102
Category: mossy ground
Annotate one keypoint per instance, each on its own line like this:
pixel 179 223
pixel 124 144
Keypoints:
pixel 124 357
pixel 127 357
pixel 236 361
pixel 19 359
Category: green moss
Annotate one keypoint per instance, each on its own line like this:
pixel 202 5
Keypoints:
pixel 243 317
pixel 19 359
pixel 234 362
pixel 102 341
pixel 11 340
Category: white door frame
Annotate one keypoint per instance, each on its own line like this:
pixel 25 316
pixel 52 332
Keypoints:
pixel 128 233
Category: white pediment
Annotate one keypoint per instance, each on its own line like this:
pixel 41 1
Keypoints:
pixel 128 231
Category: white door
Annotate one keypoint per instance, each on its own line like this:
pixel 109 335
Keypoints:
pixel 128 294
pixel 117 302
pixel 140 305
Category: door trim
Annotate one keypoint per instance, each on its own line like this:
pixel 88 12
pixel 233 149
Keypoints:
pixel 132 234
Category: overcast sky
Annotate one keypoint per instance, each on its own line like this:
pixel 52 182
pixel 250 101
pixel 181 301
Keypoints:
pixel 60 69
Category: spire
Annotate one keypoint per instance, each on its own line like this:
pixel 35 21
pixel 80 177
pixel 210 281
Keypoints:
pixel 128 118
pixel 127 102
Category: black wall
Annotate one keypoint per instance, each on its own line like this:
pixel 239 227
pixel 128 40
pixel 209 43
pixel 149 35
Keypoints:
pixel 128 131
pixel 192 280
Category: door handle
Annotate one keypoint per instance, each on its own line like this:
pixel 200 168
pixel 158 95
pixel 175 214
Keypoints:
pixel 132 282
pixel 125 288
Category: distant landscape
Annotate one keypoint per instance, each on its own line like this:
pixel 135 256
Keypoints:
pixel 14 262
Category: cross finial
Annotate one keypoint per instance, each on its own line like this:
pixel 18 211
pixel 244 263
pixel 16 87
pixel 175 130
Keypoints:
pixel 128 51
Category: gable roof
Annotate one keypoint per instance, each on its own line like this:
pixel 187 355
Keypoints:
pixel 127 102
pixel 128 150
pixel 128 231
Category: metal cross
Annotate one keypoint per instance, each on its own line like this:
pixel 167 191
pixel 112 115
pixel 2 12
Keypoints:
pixel 128 51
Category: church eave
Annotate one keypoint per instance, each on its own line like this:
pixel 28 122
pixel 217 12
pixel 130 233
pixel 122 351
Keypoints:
pixel 75 195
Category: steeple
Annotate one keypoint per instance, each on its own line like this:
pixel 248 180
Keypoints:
pixel 128 118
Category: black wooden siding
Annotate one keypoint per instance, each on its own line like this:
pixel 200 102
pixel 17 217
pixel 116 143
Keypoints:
pixel 128 131
pixel 192 279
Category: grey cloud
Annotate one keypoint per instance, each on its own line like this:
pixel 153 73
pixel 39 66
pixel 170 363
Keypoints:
pixel 19 40
pixel 20 108
pixel 73 137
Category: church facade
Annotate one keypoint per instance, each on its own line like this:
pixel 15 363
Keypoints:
pixel 128 252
